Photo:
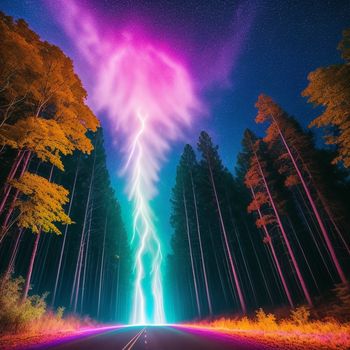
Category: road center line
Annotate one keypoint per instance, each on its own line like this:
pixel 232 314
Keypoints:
pixel 133 340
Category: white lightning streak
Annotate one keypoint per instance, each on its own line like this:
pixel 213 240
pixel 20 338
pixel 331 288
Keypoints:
pixel 143 228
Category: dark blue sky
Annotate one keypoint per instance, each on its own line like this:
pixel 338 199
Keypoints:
pixel 283 42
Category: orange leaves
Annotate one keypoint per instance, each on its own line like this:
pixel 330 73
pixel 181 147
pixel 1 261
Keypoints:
pixel 75 120
pixel 252 177
pixel 292 180
pixel 272 133
pixel 267 109
pixel 330 87
pixel 260 199
pixel 42 204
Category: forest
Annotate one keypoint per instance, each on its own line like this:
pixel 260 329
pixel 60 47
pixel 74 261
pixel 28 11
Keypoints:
pixel 271 234
pixel 63 242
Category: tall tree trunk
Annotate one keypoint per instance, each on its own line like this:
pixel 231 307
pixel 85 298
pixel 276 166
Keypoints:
pixel 218 268
pixel 65 236
pixel 7 186
pixel 76 281
pixel 233 268
pixel 11 264
pixel 315 210
pixel 201 247
pixel 259 264
pixel 14 168
pixel 241 251
pixel 324 203
pixel 13 202
pixel 190 251
pixel 277 264
pixel 30 268
pixel 32 258
pixel 228 271
pixel 303 253
pixel 101 271
pixel 306 222
pixel 43 250
pixel 286 240
pixel 86 259
pixel 117 287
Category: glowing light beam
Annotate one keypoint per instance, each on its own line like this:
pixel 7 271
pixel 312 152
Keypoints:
pixel 149 98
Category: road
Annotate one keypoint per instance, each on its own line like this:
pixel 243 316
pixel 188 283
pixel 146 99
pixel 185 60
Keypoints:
pixel 153 338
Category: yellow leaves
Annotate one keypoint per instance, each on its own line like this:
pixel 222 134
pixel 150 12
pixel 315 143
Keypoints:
pixel 330 87
pixel 42 204
pixel 75 121
pixel 266 321
pixel 40 78
pixel 43 137
pixel 300 316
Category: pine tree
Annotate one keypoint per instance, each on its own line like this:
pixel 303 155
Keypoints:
pixel 282 130
pixel 212 163
pixel 256 179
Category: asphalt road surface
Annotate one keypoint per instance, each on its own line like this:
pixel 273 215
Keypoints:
pixel 153 337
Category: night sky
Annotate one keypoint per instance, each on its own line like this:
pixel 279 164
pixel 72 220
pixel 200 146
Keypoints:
pixel 234 51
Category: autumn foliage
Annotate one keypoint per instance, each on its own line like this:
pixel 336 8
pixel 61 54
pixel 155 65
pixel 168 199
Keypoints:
pixel 43 117
pixel 329 87
pixel 42 203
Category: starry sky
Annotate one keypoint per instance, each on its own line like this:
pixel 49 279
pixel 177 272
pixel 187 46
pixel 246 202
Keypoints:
pixel 234 50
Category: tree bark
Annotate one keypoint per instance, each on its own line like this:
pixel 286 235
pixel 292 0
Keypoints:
pixel 314 208
pixel 190 251
pixel 233 268
pixel 201 248
pixel 64 237
pixel 277 264
pixel 30 268
pixel 286 240
pixel 101 270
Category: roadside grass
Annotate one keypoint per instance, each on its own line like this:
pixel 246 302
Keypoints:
pixel 27 321
pixel 297 331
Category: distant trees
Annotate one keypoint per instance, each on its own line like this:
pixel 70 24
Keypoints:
pixel 45 124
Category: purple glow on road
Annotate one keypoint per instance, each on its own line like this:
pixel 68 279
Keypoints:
pixel 86 332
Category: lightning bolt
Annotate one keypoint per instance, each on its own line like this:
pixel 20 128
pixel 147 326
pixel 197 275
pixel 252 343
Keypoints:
pixel 149 99
pixel 144 230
